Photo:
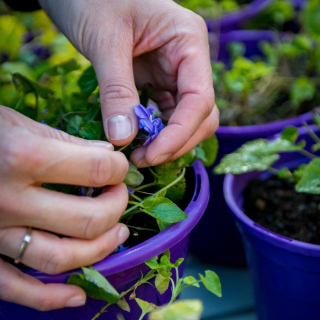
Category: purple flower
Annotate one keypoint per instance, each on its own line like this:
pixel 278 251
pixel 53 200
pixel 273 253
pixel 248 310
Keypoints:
pixel 87 191
pixel 131 190
pixel 148 122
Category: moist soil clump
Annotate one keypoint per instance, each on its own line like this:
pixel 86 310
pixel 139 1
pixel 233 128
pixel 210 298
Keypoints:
pixel 275 205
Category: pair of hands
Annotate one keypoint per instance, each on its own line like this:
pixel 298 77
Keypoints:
pixel 129 43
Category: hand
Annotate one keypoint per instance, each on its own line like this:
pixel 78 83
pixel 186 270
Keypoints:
pixel 145 41
pixel 32 154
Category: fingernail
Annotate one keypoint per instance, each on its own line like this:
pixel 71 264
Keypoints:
pixel 161 159
pixel 76 301
pixel 103 144
pixel 123 235
pixel 119 127
pixel 142 163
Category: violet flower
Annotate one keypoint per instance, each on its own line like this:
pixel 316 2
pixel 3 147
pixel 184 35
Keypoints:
pixel 120 248
pixel 148 122
pixel 87 191
pixel 131 190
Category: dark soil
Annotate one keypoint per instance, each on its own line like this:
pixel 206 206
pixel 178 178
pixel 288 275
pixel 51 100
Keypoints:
pixel 275 205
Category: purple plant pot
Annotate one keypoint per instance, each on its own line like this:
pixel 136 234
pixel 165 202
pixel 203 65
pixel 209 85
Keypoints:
pixel 250 38
pixel 124 269
pixel 285 273
pixel 235 20
pixel 217 228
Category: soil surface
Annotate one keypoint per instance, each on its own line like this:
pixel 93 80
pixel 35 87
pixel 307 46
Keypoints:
pixel 275 205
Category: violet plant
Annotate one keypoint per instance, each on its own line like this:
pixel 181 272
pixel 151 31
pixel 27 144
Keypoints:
pixel 261 154
pixel 156 195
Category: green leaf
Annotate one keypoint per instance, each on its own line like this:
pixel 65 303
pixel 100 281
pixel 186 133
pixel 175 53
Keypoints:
pixel 63 68
pixel 284 173
pixel 210 150
pixel 50 114
pixel 91 130
pixel 162 283
pixel 211 282
pixel 26 86
pixel 145 306
pixel 153 263
pixel 290 133
pixel 258 155
pixel 95 286
pixel 303 89
pixel 310 178
pixel 88 81
pixel 316 147
pixel 165 262
pixel 164 209
pixel 133 177
pixel 191 281
pixel 163 225
pixel 178 262
pixel 123 304
pixel 179 163
pixel 74 125
pixel 316 117
pixel 179 310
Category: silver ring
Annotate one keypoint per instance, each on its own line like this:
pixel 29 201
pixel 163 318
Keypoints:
pixel 23 246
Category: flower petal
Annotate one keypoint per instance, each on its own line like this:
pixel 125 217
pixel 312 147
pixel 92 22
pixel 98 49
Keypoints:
pixel 142 112
pixel 147 126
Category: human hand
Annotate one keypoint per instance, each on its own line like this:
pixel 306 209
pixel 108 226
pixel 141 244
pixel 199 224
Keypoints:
pixel 32 154
pixel 145 41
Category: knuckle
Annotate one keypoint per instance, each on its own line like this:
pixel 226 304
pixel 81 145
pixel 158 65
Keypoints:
pixel 100 171
pixel 94 223
pixel 53 261
pixel 116 91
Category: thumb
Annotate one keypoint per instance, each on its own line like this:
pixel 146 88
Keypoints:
pixel 118 93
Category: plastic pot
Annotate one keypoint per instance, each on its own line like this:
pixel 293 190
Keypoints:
pixel 285 272
pixel 124 269
pixel 235 20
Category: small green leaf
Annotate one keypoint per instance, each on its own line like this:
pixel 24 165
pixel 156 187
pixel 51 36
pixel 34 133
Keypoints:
pixel 211 282
pixel 179 163
pixel 310 178
pixel 316 147
pixel 179 310
pixel 91 130
pixel 316 117
pixel 298 173
pixel 162 283
pixel 164 209
pixel 303 89
pixel 63 68
pixel 74 125
pixel 133 177
pixel 165 262
pixel 145 306
pixel 178 262
pixel 153 263
pixel 100 281
pixel 210 150
pixel 284 173
pixel 290 133
pixel 191 281
pixel 163 225
pixel 123 304
pixel 88 81
pixel 95 286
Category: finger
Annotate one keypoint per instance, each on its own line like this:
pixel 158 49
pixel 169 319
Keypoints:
pixel 54 161
pixel 206 130
pixel 17 119
pixel 80 217
pixel 52 255
pixel 118 94
pixel 196 97
pixel 18 287
pixel 166 103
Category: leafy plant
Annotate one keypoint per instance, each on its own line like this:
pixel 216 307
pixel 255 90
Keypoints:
pixel 161 272
pixel 261 154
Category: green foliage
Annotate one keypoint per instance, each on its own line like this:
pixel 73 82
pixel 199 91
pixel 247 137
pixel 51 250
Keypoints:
pixel 133 178
pixel 208 150
pixel 95 285
pixel 309 178
pixel 211 282
pixel 303 89
pixel 259 154
pixel 179 310
pixel 88 81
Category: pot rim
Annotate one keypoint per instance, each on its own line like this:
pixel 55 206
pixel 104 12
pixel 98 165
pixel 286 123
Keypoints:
pixel 262 233
pixel 154 246
pixel 241 15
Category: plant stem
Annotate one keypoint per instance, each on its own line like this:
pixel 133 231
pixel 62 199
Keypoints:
pixel 19 102
pixel 311 133
pixel 136 197
pixel 136 203
pixel 147 185
pixel 308 154
pixel 122 148
pixel 101 311
pixel 125 214
pixel 173 182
